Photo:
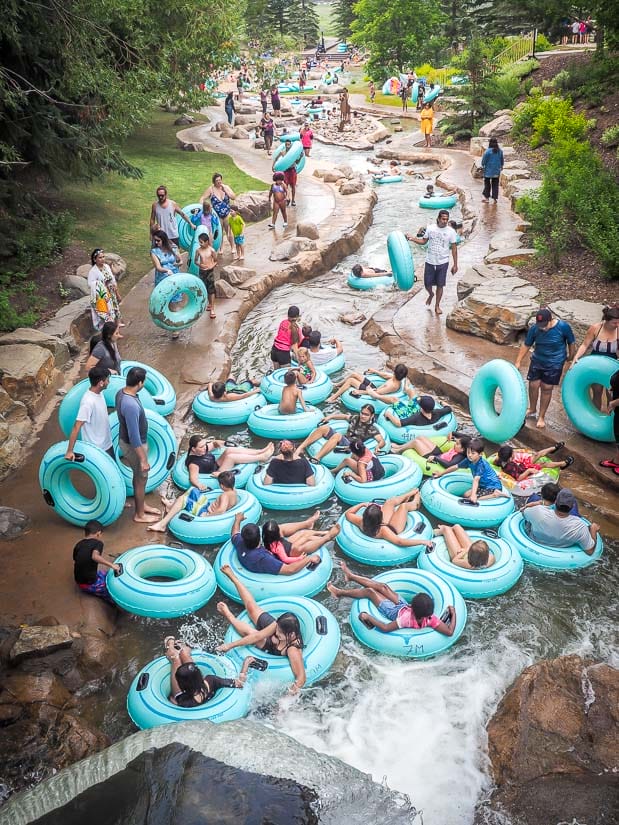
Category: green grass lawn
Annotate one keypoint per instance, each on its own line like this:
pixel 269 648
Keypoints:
pixel 323 10
pixel 113 212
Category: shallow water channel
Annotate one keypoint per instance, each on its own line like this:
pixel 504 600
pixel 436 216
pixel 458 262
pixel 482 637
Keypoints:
pixel 419 725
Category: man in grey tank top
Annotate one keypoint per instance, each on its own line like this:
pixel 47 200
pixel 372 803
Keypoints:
pixel 163 215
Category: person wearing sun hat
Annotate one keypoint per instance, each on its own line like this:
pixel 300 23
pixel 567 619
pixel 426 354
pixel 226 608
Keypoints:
pixel 553 344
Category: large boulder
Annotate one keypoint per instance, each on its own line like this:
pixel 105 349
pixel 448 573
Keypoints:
pixel 329 175
pixel 77 284
pixel 509 255
pixel 580 315
pixel 26 335
pixel 244 120
pixel 286 250
pixel 305 229
pixel 236 275
pixel 478 274
pixel 26 370
pixel 39 641
pixel 517 188
pixel 223 289
pixel 240 134
pixel 477 171
pixel 351 187
pixel 12 523
pixel 117 264
pixel 508 175
pixel 498 310
pixel 507 238
pixel 553 744
pixel 72 323
pixel 499 126
pixel 253 206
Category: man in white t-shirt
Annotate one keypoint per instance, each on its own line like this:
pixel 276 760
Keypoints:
pixel 92 423
pixel 441 239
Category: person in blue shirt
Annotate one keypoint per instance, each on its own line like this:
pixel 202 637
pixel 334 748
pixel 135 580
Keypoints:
pixel 492 164
pixel 486 483
pixel 254 557
pixel 553 345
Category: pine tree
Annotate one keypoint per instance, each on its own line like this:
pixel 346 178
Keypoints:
pixel 342 15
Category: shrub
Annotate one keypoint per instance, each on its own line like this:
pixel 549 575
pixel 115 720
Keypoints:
pixel 503 91
pixel 542 43
pixel 610 136
pixel 549 119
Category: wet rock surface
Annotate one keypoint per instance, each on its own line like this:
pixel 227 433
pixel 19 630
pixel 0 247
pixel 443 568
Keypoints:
pixel 12 523
pixel 253 206
pixel 40 641
pixel 553 745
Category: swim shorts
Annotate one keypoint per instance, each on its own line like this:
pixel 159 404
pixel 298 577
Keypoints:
pixel 239 240
pixel 390 610
pixel 98 587
pixel 208 277
pixel 435 275
pixel 551 377
pixel 280 356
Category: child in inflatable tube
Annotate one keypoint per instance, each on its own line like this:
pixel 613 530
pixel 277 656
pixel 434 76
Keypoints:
pixel 486 483
pixel 416 616
pixel 190 501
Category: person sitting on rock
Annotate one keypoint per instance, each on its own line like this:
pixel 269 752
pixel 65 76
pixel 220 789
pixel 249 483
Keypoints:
pixel 416 615
pixel 471 555
pixel 360 271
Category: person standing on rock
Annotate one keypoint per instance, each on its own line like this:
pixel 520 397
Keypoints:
pixel 492 164
pixel 344 108
pixel 372 91
pixel 133 441
pixel 440 239
pixel 267 127
pixel 92 423
pixel 163 216
pixel 427 123
pixel 549 337
pixel 104 296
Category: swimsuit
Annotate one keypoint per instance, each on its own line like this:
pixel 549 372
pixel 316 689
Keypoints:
pixel 221 207
pixel 607 348
pixel 269 646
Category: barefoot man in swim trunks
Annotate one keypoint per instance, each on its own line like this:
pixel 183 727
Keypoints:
pixel 440 239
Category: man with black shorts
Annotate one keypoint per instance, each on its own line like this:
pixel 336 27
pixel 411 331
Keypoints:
pixel 440 240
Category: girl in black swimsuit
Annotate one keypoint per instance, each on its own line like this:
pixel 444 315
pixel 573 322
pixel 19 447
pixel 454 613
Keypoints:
pixel 385 522
pixel 189 688
pixel 275 636
pixel 201 461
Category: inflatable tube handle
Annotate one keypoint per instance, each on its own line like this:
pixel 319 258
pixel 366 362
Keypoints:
pixel 430 548
pixel 322 628
pixel 257 407
pixel 185 516
pixel 171 461
pixel 48 498
pixel 446 617
pixel 118 573
pixel 379 500
pixel 419 528
pixel 78 458
pixel 488 531
pixel 259 664
pixel 312 565
pixel 143 681
pixel 440 425
pixel 177 544
pixel 159 401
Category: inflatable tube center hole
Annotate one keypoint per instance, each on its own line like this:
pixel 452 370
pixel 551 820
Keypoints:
pixel 496 399
pixel 457 486
pixel 160 570
pixel 82 483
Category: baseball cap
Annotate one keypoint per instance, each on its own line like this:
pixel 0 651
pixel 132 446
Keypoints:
pixel 565 500
pixel 543 317
pixel 427 403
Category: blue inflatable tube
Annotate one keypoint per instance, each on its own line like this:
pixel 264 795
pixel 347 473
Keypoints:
pixel 353 403
pixel 386 178
pixel 432 94
pixel 191 581
pixel 401 476
pixel 161 448
pixel 292 496
pixel 498 375
pixel 59 492
pixel 226 413
pixel 159 302
pixel 438 202
pixel 180 474
pixel 148 704
pixel 442 497
pixel 321 639
pixel 186 232
pixel 379 552
pixel 156 384
pixel 268 423
pixel 336 363
pixel 291 136
pixel 400 435
pixel 476 584
pixel 407 643
pixel 369 283
pixel 579 406
pixel 70 404
pixel 415 92
pixel 265 585
pixel 289 158
pixel 213 529
pixel 332 459
pixel 272 387
pixel 543 556
pixel 401 260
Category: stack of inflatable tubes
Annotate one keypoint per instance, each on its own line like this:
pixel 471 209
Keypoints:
pixel 190 581
pixel 156 384
pixel 195 529
pixel 292 496
pixel 401 476
pixel 544 556
pixel 320 632
pixel 369 283
pixel 379 552
pixel 498 375
pixel 291 136
pixel 289 158
pixel 187 236
pixel 159 303
pixel 428 467
pixel 432 94
pixel 411 644
pixel 267 422
pixel 264 585
pixel 401 260
pixel 336 363
pixel 482 583
pixel 272 387
pixel 578 403
pixel 332 459
pixel 400 435
pixel 352 402
pixel 301 163
pixel 60 493
pixel 227 413
pixel 443 497
pixel 70 404
pixel 242 473
pixel 438 202
pixel 148 702
pixel 160 446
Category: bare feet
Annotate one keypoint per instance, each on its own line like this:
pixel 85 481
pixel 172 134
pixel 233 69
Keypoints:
pixel 438 310
pixel 430 299
pixel 167 503
pixel 334 591
pixel 314 518
pixel 540 424
pixel 152 510
pixel 223 608
pixel 147 519
pixel 345 571
pixel 157 527
pixel 334 531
